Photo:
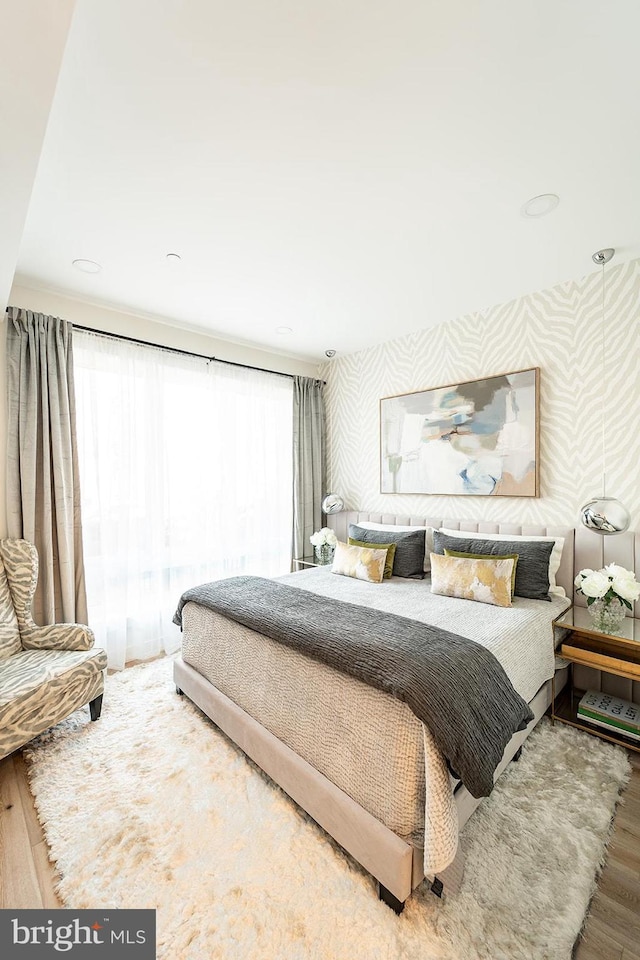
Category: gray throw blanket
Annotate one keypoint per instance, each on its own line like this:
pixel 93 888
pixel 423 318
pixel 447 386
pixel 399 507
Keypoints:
pixel 453 685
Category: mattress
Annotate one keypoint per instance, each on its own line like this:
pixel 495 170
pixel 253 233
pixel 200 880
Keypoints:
pixel 365 741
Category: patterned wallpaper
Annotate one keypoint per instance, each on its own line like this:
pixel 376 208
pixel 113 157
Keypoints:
pixel 558 330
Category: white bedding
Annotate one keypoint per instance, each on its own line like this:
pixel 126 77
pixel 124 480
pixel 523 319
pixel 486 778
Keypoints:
pixel 520 636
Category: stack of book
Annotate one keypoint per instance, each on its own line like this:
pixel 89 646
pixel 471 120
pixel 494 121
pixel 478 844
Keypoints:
pixel 613 713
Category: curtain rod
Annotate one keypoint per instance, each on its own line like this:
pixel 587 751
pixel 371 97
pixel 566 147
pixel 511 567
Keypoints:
pixel 186 353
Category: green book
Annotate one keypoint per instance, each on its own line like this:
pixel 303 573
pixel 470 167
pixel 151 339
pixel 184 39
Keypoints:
pixel 605 710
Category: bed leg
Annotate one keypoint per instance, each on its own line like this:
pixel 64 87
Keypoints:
pixel 391 901
pixel 179 691
pixel 449 881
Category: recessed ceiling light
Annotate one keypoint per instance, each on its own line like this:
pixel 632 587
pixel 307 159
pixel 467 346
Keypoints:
pixel 283 331
pixel 87 266
pixel 174 257
pixel 540 206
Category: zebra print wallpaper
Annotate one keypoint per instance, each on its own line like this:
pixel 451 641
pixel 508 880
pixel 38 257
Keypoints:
pixel 558 330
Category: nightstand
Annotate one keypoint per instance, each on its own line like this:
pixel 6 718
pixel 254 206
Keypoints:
pixel 616 653
pixel 310 561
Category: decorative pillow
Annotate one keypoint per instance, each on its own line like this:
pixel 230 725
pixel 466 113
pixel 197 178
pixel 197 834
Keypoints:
pixel 532 574
pixel 486 581
pixel 409 559
pixel 362 563
pixel 399 528
pixel 554 559
pixel 481 556
pixel 389 547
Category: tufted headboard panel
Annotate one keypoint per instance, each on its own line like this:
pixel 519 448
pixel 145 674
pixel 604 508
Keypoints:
pixel 339 522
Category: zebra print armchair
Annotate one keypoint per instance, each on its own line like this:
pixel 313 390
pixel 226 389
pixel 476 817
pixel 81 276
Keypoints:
pixel 46 673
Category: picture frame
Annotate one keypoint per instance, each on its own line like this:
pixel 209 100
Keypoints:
pixel 470 438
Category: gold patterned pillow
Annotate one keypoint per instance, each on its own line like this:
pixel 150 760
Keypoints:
pixel 362 563
pixel 494 556
pixel 486 581
pixel 389 547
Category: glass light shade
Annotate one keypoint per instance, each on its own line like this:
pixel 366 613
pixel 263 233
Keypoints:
pixel 332 503
pixel 605 515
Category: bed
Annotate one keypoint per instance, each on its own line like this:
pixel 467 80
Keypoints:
pixel 355 758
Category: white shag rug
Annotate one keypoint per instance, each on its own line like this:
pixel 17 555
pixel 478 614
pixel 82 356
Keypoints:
pixel 153 807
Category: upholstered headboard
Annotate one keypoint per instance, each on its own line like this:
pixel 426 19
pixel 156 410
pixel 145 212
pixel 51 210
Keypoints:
pixel 339 522
pixel 582 548
pixel 595 551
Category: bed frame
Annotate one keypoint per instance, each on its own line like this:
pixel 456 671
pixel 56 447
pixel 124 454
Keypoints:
pixel 396 865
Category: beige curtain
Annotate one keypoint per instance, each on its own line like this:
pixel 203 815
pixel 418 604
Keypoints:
pixel 309 461
pixel 43 488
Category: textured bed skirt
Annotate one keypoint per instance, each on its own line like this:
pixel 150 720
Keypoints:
pixel 367 743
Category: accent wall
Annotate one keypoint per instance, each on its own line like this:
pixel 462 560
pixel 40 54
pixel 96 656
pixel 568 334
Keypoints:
pixel 558 330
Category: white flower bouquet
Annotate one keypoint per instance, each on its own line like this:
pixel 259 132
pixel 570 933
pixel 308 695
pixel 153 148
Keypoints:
pixel 609 592
pixel 326 535
pixel 612 581
pixel 324 543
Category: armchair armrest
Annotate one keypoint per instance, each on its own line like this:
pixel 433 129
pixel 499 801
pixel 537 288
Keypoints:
pixel 58 636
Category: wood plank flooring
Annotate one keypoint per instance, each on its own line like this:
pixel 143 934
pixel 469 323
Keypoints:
pixel 612 931
pixel 26 875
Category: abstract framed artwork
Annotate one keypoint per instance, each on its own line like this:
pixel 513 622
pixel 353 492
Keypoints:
pixel 478 438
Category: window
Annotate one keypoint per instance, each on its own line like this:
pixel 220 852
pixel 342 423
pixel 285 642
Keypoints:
pixel 186 476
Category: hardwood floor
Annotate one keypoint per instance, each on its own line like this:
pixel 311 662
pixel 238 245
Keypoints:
pixel 612 931
pixel 26 875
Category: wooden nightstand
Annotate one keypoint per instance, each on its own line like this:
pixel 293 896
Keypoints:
pixel 617 653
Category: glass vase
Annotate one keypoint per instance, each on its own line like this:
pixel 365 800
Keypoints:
pixel 607 615
pixel 323 553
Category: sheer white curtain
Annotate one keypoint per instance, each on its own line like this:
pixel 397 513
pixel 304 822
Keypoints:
pixel 186 476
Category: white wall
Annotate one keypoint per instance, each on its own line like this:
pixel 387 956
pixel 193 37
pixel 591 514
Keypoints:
pixel 34 33
pixel 142 328
pixel 558 330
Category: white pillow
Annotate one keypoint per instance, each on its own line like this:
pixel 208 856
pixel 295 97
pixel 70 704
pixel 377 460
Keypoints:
pixel 428 540
pixel 555 589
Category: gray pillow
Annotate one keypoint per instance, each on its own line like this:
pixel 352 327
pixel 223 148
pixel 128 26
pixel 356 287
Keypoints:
pixel 532 571
pixel 409 559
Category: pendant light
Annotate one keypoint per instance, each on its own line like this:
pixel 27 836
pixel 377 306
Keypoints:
pixel 604 514
pixel 332 503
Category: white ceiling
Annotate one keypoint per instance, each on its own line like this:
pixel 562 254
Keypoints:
pixel 353 169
